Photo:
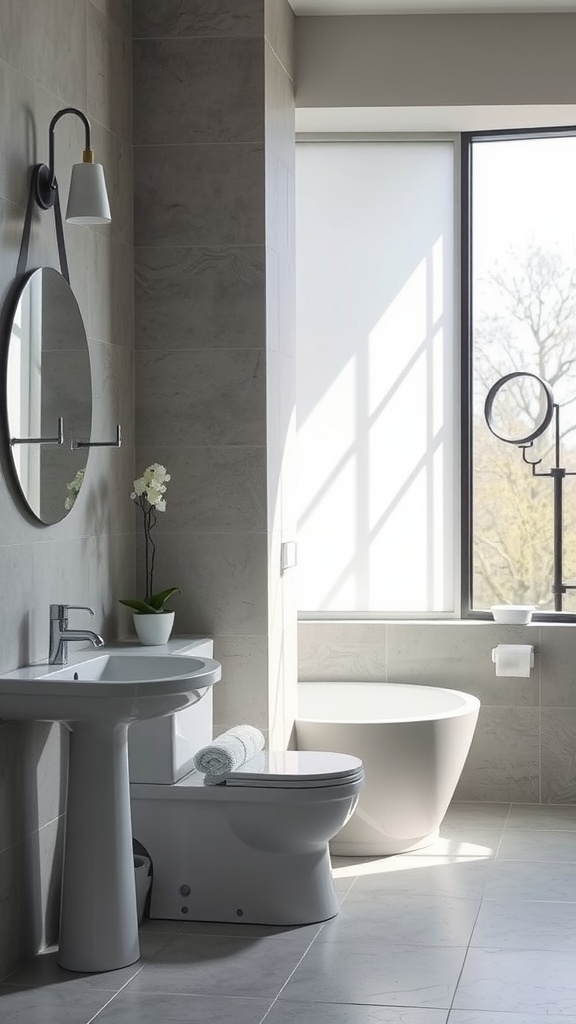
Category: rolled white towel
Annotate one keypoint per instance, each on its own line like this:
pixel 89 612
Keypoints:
pixel 228 751
pixel 254 765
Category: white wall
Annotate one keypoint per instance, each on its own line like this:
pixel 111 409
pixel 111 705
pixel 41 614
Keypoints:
pixel 436 60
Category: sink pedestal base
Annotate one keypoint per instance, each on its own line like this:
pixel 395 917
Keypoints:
pixel 99 919
pixel 97 697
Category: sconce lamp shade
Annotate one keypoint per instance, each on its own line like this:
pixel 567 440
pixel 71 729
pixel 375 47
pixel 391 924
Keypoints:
pixel 87 198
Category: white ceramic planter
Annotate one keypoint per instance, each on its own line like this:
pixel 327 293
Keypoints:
pixel 154 630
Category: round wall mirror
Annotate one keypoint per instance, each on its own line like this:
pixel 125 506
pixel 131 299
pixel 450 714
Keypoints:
pixel 48 394
pixel 519 407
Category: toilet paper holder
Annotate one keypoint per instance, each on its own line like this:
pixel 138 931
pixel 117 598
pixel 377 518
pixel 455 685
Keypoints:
pixel 513 659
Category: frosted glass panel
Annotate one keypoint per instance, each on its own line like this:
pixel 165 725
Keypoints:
pixel 375 377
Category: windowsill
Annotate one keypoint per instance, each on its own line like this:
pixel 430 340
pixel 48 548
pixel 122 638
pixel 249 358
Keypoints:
pixel 421 623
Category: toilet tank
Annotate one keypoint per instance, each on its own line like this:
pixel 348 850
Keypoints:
pixel 161 749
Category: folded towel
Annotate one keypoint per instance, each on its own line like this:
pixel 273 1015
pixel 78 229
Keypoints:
pixel 227 752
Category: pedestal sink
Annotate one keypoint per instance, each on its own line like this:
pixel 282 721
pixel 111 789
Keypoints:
pixel 97 697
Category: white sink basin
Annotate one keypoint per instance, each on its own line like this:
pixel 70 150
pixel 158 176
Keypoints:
pixel 132 668
pixel 97 697
pixel 119 687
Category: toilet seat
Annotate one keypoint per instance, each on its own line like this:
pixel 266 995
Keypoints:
pixel 296 769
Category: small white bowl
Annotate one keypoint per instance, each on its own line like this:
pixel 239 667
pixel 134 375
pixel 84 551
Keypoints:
pixel 516 614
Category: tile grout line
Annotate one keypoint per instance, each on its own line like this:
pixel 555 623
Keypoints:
pixel 292 972
pixel 131 979
pixel 480 905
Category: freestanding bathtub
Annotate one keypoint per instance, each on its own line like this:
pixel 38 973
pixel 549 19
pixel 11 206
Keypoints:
pixel 413 741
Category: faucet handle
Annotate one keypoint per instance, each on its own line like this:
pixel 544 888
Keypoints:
pixel 60 611
pixel 80 608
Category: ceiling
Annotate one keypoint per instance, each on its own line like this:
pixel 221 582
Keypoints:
pixel 309 7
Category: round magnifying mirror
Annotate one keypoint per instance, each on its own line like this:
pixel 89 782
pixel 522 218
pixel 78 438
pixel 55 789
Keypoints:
pixel 48 387
pixel 519 407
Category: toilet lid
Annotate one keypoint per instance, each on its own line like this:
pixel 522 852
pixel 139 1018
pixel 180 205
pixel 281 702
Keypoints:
pixel 297 769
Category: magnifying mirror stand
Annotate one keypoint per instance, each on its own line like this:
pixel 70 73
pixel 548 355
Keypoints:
pixel 557 472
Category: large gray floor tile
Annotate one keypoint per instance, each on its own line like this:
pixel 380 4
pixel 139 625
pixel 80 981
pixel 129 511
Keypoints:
pixel 220 965
pixel 73 1003
pixel 343 884
pixel 547 816
pixel 284 1012
pixel 489 1017
pixel 44 969
pixel 538 845
pixel 462 842
pixel 519 981
pixel 514 879
pixel 440 876
pixel 150 926
pixel 405 919
pixel 149 1008
pixel 518 924
pixel 470 814
pixel 299 936
pixel 472 836
pixel 370 972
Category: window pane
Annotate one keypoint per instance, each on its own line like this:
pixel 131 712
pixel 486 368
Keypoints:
pixel 524 319
pixel 375 377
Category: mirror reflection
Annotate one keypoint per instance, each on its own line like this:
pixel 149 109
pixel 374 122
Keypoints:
pixel 49 394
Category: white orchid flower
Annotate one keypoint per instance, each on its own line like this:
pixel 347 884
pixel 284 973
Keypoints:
pixel 148 495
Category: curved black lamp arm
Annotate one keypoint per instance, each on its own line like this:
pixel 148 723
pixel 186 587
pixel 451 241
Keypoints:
pixel 44 191
pixel 46 184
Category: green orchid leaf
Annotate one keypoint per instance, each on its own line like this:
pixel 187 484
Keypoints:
pixel 158 600
pixel 142 607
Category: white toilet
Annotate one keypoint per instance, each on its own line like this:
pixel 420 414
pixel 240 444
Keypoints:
pixel 252 850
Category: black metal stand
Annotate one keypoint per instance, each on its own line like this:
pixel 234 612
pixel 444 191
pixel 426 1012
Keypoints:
pixel 558 474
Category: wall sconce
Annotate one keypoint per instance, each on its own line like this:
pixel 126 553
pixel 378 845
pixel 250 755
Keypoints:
pixel 87 198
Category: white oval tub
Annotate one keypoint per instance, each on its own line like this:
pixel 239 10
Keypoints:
pixel 413 741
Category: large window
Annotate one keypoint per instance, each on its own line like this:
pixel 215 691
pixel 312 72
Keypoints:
pixel 381 406
pixel 522 320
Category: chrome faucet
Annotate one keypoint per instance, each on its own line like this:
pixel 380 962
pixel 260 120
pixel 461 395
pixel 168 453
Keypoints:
pixel 60 635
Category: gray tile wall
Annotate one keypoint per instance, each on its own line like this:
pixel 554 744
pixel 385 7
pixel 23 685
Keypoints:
pixel 280 367
pixel 525 742
pixel 54 54
pixel 213 135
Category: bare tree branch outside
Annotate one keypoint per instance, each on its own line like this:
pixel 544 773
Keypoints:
pixel 528 323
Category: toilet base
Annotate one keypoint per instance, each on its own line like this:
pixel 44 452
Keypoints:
pixel 226 879
pixel 306 896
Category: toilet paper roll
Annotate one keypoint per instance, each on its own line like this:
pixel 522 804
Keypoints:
pixel 513 659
